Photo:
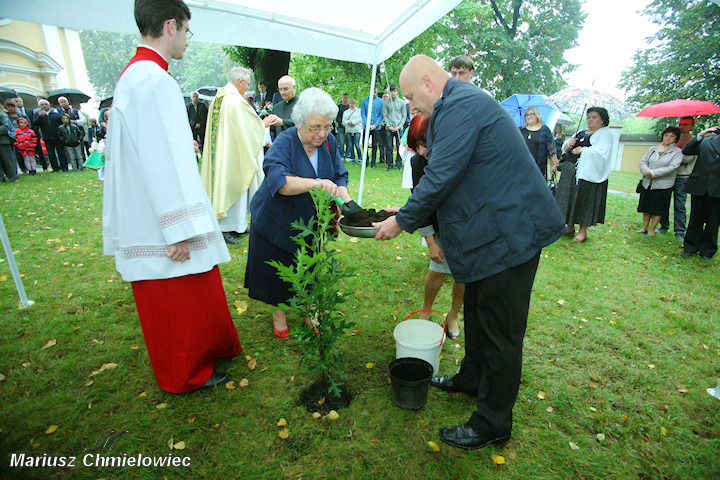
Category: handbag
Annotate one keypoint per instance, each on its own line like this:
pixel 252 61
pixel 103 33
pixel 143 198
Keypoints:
pixel 552 184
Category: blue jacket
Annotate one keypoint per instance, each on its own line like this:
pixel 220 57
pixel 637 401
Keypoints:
pixel 271 212
pixel 493 207
pixel 377 112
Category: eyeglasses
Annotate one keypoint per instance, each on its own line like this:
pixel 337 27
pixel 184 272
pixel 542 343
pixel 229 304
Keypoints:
pixel 530 114
pixel 316 128
pixel 188 33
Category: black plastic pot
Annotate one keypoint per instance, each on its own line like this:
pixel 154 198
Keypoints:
pixel 410 379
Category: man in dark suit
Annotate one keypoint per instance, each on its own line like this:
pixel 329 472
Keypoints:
pixel 704 187
pixel 263 95
pixel 197 116
pixel 48 121
pixel 495 213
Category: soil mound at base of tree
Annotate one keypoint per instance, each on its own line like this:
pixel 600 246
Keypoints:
pixel 316 398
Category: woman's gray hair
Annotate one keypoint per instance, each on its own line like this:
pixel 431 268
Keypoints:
pixel 313 100
pixel 238 73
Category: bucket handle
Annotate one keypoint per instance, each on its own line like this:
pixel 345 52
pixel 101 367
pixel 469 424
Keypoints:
pixel 442 339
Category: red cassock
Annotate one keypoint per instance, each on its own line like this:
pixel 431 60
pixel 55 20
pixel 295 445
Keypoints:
pixel 187 326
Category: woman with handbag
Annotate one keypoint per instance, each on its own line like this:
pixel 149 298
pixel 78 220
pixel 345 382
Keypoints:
pixel 658 167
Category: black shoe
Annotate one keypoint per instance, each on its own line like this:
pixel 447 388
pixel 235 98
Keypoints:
pixel 446 384
pixel 686 254
pixel 215 380
pixel 661 230
pixel 463 436
pixel 706 258
pixel 231 237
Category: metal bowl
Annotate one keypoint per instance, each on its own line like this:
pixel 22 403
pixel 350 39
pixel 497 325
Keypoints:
pixel 362 232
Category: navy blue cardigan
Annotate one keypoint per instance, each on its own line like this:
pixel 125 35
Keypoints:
pixel 271 212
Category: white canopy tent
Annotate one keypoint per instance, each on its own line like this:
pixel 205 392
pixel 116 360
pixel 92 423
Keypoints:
pixel 366 32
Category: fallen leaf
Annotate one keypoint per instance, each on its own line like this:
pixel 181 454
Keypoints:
pixel 51 429
pixel 549 409
pixel 134 347
pixel 50 343
pixel 244 382
pixel 333 415
pixel 284 433
pixel 682 390
pixel 161 405
pixel 179 446
pixel 573 446
pixel 89 383
pixel 61 248
pixel 105 366
pixel 26 364
pixel 3 278
pixel 2 377
pixel 252 364
pixel 369 365
pixel 498 459
pixel 561 302
pixel 241 306
pixel 191 420
pixel 282 422
pixel 230 385
pixel 541 395
pixel 663 430
pixel 600 437
pixel 248 357
pixel 651 366
pixel 434 446
pixel 143 394
pixel 170 444
pixel 321 401
pixel 626 419
pixel 316 415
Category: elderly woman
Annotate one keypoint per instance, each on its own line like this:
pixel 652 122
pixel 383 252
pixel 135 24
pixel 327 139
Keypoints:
pixel 539 140
pixel 582 190
pixel 301 158
pixel 659 167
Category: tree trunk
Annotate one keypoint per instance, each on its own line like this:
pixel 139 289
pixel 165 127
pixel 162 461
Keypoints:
pixel 269 66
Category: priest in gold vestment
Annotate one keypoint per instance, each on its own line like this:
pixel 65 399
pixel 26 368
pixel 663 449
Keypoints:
pixel 232 158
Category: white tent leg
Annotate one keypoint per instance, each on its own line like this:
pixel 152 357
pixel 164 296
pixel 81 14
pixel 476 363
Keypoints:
pixel 13 266
pixel 366 134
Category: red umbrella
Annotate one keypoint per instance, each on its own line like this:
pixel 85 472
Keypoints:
pixel 680 108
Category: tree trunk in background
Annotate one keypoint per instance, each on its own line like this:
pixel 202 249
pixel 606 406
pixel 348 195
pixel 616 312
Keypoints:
pixel 269 66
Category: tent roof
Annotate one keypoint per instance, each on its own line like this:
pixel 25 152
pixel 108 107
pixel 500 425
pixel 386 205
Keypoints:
pixel 366 32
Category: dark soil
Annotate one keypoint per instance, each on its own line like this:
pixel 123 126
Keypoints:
pixel 366 218
pixel 316 398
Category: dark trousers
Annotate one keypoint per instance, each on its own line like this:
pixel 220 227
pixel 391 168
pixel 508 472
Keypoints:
pixel 342 148
pixel 20 160
pixel 496 310
pixel 56 152
pixel 702 231
pixel 8 165
pixel 375 136
pixel 390 139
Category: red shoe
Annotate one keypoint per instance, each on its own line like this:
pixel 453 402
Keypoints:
pixel 280 333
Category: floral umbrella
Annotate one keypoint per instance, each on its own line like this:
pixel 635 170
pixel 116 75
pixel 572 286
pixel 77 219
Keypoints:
pixel 577 100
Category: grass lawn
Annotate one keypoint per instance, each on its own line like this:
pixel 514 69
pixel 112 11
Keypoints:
pixel 621 342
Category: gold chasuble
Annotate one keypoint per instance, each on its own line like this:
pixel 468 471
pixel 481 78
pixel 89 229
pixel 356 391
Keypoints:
pixel 234 136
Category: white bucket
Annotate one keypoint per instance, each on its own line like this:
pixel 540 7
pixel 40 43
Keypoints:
pixel 419 339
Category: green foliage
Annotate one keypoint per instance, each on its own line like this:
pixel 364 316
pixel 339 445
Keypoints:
pixel 517 46
pixel 684 61
pixel 314 281
pixel 106 54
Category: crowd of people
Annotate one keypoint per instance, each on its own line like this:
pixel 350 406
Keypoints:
pixel 56 138
pixel 473 176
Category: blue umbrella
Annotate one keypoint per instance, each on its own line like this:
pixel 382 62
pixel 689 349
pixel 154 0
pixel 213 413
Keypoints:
pixel 517 103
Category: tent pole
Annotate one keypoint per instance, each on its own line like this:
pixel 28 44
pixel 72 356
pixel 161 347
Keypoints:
pixel 13 266
pixel 366 134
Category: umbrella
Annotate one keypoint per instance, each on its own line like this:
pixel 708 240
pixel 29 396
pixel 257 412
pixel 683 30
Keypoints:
pixel 518 103
pixel 72 94
pixel 564 120
pixel 6 93
pixel 207 91
pixel 679 108
pixel 106 103
pixel 577 100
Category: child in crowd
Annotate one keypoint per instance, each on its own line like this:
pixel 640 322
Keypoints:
pixel 96 159
pixel 25 142
pixel 70 136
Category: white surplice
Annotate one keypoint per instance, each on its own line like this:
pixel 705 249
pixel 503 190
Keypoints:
pixel 153 193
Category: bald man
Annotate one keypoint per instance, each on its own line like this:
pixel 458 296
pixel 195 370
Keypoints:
pixel 283 109
pixel 495 213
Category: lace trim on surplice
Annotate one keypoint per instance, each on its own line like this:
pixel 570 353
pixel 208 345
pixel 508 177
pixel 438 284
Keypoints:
pixel 180 215
pixel 149 251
